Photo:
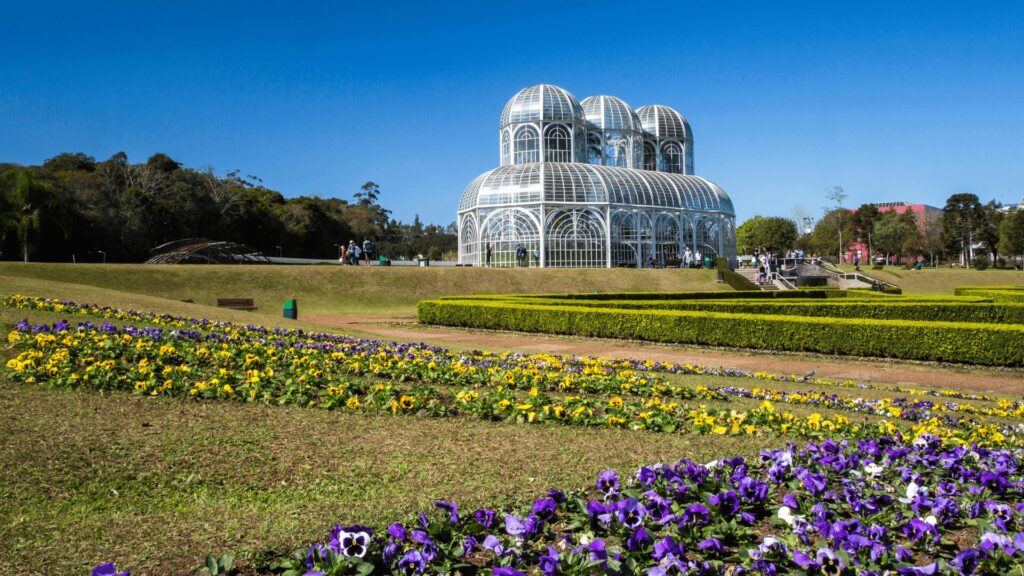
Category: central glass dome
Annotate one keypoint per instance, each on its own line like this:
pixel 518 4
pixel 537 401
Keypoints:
pixel 592 184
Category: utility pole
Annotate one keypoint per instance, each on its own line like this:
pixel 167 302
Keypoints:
pixel 837 195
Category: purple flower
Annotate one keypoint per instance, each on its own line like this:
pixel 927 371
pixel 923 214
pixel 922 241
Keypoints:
pixel 711 546
pixel 544 507
pixel 637 540
pixel 316 553
pixel 629 512
pixel 791 501
pixel 646 476
pixel 412 563
pixel 107 570
pixel 608 482
pixel 966 562
pixel 453 510
pixel 597 550
pixel 666 546
pixel 514 526
pixel 484 517
pixel 492 543
pixel 728 504
pixel 548 563
pixel 397 531
pixel 696 515
pixel 993 482
pixel 468 545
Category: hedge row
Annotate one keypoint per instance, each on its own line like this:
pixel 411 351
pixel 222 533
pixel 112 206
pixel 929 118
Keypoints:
pixel 881 309
pixel 996 293
pixel 735 280
pixel 988 344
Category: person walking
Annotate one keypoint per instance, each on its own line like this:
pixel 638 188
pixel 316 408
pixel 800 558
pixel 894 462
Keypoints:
pixel 487 255
pixel 367 250
pixel 536 256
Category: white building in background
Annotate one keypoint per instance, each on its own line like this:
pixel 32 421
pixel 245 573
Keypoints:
pixel 592 184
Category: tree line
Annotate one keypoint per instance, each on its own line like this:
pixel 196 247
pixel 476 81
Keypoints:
pixel 965 230
pixel 73 207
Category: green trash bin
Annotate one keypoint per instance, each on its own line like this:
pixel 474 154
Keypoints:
pixel 291 309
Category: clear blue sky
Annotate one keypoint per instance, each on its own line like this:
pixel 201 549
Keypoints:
pixel 892 100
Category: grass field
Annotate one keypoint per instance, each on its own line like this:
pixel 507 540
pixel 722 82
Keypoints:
pixel 330 289
pixel 940 281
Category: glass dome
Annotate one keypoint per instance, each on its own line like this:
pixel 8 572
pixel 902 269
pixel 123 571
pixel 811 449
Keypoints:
pixel 664 123
pixel 610 113
pixel 542 103
pixel 578 183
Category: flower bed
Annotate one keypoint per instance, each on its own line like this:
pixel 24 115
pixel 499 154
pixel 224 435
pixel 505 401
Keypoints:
pixel 876 506
pixel 943 496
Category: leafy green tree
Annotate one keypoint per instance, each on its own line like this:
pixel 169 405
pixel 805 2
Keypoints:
pixel 988 228
pixel 961 219
pixel 1011 234
pixel 897 234
pixel 863 221
pixel 26 201
pixel 772 233
pixel 832 232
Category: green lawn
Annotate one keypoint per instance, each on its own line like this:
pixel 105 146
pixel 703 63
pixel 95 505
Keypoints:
pixel 940 281
pixel 331 289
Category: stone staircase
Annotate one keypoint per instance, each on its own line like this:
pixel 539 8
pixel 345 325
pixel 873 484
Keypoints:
pixel 751 274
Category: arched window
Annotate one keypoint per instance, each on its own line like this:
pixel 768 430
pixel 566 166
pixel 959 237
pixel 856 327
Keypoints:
pixel 594 148
pixel 616 149
pixel 505 145
pixel 671 158
pixel 650 158
pixel 557 144
pixel 527 145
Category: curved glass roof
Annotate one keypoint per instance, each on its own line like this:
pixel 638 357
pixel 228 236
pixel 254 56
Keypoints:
pixel 664 123
pixel 610 113
pixel 559 182
pixel 542 102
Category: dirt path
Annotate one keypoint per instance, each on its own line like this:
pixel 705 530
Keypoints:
pixel 390 328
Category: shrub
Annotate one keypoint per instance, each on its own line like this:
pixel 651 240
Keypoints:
pixel 980 262
pixel 990 344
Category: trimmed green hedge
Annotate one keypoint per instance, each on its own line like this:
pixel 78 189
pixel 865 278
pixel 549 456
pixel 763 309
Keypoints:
pixel 989 344
pixel 881 309
pixel 997 293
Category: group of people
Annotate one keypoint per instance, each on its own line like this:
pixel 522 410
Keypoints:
pixel 353 254
pixel 766 265
pixel 522 255
pixel 691 259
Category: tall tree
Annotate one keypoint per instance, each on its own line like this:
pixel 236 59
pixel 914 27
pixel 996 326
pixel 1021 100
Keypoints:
pixel 1011 234
pixel 838 195
pixel 863 221
pixel 26 201
pixel 961 217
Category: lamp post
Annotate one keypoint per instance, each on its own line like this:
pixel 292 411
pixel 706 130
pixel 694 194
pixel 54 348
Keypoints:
pixel 280 251
pixel 104 255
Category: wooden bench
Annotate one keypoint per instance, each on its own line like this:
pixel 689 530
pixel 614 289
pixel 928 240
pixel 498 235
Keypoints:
pixel 236 303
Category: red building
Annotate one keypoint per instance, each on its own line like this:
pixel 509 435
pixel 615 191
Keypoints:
pixel 920 211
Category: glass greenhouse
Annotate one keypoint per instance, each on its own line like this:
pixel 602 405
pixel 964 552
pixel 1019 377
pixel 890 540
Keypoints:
pixel 592 184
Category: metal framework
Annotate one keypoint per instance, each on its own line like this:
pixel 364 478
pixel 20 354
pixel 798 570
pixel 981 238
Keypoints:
pixel 203 251
pixel 592 184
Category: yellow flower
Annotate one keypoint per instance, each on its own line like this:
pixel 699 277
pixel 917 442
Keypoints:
pixel 615 402
pixel 352 403
pixel 228 389
pixel 407 402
